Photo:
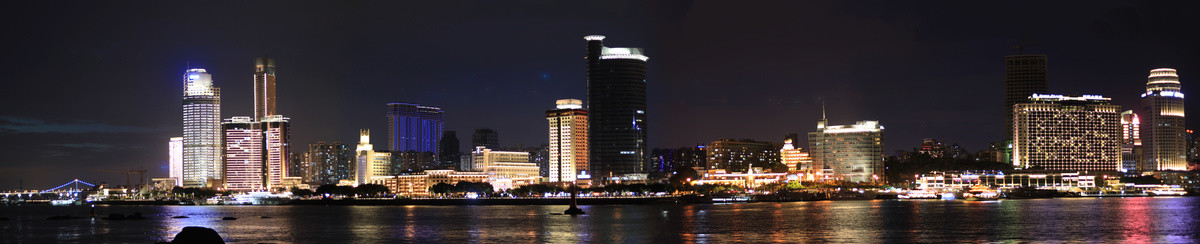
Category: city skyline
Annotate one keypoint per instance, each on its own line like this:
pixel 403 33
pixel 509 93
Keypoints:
pixel 103 135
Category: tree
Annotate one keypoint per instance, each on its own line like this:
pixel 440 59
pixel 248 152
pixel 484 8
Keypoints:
pixel 372 190
pixel 441 188
pixel 683 176
pixel 302 192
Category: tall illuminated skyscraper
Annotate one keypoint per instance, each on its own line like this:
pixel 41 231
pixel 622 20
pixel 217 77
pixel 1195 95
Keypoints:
pixel 1164 138
pixel 276 134
pixel 175 161
pixel 1024 75
pixel 202 145
pixel 1131 142
pixel 568 148
pixel 264 88
pixel 847 152
pixel 1061 133
pixel 616 84
pixel 412 127
pixel 244 169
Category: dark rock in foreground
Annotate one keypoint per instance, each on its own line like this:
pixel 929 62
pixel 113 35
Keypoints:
pixel 197 235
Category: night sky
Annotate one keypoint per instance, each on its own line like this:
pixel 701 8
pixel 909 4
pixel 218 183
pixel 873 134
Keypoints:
pixel 94 86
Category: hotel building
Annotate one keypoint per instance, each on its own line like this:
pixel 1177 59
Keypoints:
pixel 616 88
pixel 1163 135
pixel 1061 133
pixel 568 148
pixel 847 152
pixel 202 145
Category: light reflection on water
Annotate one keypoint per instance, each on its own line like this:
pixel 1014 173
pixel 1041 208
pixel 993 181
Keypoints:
pixel 1169 219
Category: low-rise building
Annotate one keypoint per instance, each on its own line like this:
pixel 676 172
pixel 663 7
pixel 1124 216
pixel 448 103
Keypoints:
pixel 958 180
pixel 418 184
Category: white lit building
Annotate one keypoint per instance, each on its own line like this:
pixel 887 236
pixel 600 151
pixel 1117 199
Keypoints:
pixel 1061 133
pixel 243 155
pixel 568 148
pixel 504 164
pixel 175 160
pixel 370 164
pixel 1131 142
pixel 847 152
pixel 276 149
pixel 202 145
pixel 795 158
pixel 1163 134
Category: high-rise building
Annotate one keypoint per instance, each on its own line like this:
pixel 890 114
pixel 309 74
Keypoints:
pixel 503 164
pixel 739 155
pixel 244 168
pixel 329 163
pixel 448 150
pixel 368 162
pixel 1024 75
pixel 175 160
pixel 485 137
pixel 1163 134
pixel 616 84
pixel 202 145
pixel 264 88
pixel 1061 133
pixel 568 148
pixel 847 152
pixel 932 147
pixel 794 157
pixel 1131 142
pixel 412 127
pixel 276 149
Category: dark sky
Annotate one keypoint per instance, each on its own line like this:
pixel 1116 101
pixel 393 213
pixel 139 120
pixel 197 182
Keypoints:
pixel 94 86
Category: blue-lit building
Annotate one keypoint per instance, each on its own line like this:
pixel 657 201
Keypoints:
pixel 412 127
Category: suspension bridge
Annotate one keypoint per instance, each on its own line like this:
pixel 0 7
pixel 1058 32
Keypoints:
pixel 71 189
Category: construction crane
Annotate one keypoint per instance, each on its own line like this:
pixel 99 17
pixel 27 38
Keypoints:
pixel 141 172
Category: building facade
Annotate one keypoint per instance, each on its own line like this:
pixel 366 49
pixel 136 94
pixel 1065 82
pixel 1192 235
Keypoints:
pixel 847 152
pixel 1164 138
pixel 503 164
pixel 739 155
pixel 244 168
pixel 417 185
pixel 449 152
pixel 794 157
pixel 276 149
pixel 1061 133
pixel 202 133
pixel 328 163
pixel 264 88
pixel 568 148
pixel 1131 142
pixel 616 84
pixel 1024 75
pixel 370 163
pixel 175 160
pixel 485 137
pixel 412 127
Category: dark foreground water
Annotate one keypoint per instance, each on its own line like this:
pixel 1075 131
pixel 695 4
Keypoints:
pixel 1141 219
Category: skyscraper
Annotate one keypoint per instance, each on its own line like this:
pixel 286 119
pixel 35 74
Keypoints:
pixel 1164 138
pixel 616 83
pixel 449 153
pixel 1024 75
pixel 847 152
pixel 739 155
pixel 276 133
pixel 175 161
pixel 1061 133
pixel 329 163
pixel 412 127
pixel 568 148
pixel 368 162
pixel 1131 142
pixel 202 145
pixel 244 169
pixel 264 88
pixel 485 137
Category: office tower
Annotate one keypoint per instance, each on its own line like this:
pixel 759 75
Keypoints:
pixel 616 84
pixel 485 137
pixel 503 164
pixel 202 145
pixel 1131 142
pixel 244 168
pixel 1024 75
pixel 1061 133
pixel 1163 140
pixel 449 153
pixel 368 162
pixel 264 88
pixel 568 148
pixel 932 147
pixel 412 127
pixel 413 161
pixel 276 149
pixel 329 163
pixel 794 157
pixel 739 155
pixel 175 161
pixel 847 152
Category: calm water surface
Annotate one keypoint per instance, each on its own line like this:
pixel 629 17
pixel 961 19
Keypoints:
pixel 1141 219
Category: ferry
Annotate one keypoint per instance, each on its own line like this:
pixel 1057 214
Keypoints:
pixel 980 193
pixel 1173 191
pixel 919 195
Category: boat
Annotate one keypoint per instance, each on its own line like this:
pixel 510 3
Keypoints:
pixel 919 194
pixel 979 193
pixel 1173 191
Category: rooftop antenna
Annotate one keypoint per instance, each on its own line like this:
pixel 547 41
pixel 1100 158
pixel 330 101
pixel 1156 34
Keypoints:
pixel 822 107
